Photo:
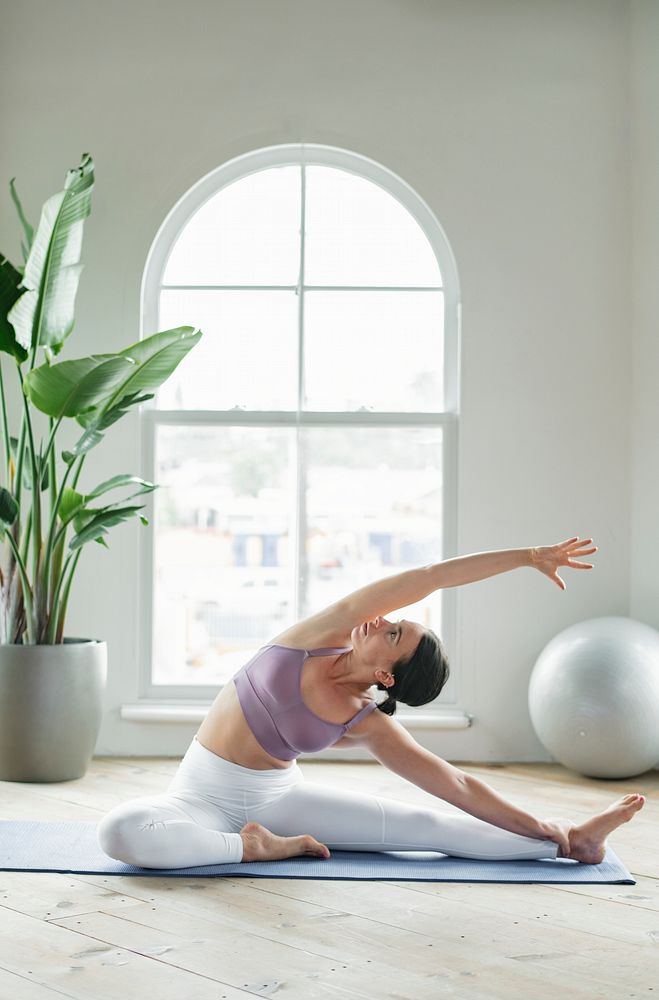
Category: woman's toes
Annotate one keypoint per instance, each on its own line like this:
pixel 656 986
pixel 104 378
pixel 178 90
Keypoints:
pixel 312 846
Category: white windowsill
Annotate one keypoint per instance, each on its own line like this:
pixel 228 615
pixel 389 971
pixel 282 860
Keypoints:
pixel 149 712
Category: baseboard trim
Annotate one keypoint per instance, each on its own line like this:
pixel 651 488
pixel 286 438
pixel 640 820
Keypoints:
pixel 148 711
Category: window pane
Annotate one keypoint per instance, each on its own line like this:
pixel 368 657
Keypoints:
pixel 246 357
pixel 224 519
pixel 380 350
pixel 246 234
pixel 356 233
pixel 374 508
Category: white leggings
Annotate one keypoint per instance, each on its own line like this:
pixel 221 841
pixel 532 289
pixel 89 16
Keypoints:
pixel 198 819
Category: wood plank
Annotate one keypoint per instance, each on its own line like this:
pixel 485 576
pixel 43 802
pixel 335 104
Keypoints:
pixel 598 916
pixel 86 969
pixel 216 949
pixel 554 772
pixel 17 987
pixel 645 894
pixel 332 946
pixel 601 916
pixel 50 895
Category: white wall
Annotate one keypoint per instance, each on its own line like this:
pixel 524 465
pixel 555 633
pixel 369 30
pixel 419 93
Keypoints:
pixel 511 119
pixel 644 312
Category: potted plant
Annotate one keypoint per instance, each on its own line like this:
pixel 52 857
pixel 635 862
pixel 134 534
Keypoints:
pixel 51 685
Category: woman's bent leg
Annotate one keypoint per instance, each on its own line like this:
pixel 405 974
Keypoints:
pixel 355 821
pixel 165 831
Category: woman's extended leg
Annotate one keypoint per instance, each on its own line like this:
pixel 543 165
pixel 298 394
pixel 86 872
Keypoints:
pixel 359 821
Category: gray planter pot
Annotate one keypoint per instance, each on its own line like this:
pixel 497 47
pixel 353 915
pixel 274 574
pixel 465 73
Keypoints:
pixel 51 706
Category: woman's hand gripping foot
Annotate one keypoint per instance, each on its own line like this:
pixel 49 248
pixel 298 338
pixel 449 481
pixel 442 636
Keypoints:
pixel 260 844
pixel 587 841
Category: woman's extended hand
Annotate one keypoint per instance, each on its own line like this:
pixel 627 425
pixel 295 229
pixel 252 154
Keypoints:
pixel 547 558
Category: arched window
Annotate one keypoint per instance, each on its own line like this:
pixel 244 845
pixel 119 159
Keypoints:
pixel 306 445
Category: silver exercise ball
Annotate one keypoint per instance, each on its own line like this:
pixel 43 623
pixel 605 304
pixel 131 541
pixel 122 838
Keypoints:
pixel 594 697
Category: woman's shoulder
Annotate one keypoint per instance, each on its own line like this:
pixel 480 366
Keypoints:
pixel 332 627
pixel 306 636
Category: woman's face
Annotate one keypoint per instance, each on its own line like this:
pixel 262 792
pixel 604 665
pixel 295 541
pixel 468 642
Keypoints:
pixel 381 642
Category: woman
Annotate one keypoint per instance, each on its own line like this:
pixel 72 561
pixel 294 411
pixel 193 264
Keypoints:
pixel 239 794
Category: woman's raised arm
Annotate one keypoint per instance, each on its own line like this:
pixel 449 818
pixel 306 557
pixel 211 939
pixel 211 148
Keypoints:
pixel 410 586
pixel 407 588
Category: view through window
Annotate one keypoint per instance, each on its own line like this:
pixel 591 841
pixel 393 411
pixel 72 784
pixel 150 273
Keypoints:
pixel 317 465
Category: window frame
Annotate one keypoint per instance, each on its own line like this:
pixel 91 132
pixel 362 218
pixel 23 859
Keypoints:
pixel 150 416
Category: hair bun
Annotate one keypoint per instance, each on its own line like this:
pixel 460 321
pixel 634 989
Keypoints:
pixel 388 706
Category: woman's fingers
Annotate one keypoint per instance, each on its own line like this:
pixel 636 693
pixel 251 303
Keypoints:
pixel 574 543
pixel 578 550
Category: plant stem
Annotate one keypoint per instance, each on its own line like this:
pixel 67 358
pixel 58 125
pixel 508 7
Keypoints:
pixel 36 504
pixel 55 569
pixel 56 619
pixel 27 593
pixel 52 483
pixel 51 528
pixel 5 430
pixel 65 599
pixel 56 623
pixel 16 487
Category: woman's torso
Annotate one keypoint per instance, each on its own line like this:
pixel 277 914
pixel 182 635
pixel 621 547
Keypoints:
pixel 226 733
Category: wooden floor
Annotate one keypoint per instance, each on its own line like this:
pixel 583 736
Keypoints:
pixel 92 936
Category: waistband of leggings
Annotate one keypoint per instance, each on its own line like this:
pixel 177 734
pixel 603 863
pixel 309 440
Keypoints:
pixel 272 775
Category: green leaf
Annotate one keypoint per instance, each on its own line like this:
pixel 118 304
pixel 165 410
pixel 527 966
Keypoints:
pixel 73 504
pixel 10 292
pixel 98 390
pixel 43 470
pixel 70 388
pixel 93 435
pixel 96 527
pixel 44 313
pixel 29 231
pixel 121 480
pixel 155 358
pixel 8 508
pixel 70 504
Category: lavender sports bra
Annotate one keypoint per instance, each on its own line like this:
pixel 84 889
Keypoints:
pixel 269 692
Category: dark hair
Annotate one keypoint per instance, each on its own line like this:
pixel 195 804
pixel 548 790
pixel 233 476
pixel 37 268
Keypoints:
pixel 419 679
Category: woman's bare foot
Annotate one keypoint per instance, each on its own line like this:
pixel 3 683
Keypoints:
pixel 588 840
pixel 260 844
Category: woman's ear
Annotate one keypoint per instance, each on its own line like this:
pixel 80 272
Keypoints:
pixel 384 677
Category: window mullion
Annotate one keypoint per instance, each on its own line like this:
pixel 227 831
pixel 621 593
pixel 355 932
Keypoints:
pixel 301 465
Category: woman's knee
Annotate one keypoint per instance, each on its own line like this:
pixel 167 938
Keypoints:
pixel 118 833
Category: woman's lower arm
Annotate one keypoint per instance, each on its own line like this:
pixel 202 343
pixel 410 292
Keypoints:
pixel 479 566
pixel 480 800
pixel 413 585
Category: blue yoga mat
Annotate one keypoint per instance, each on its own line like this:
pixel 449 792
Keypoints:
pixel 71 847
